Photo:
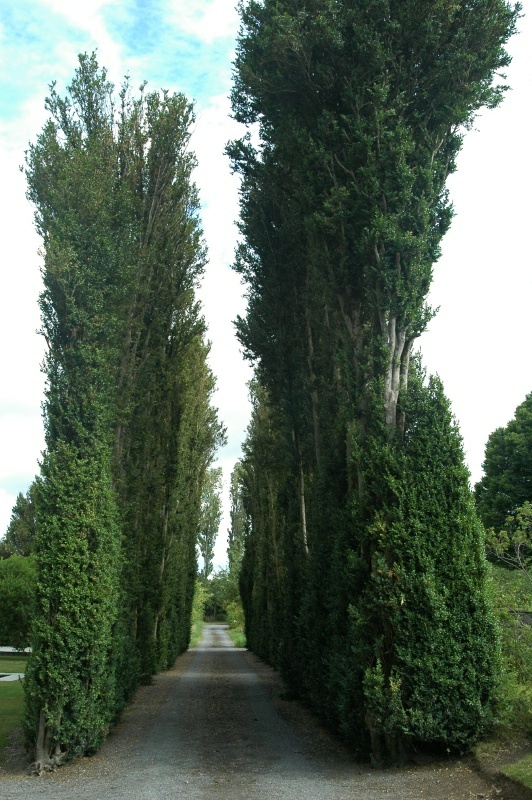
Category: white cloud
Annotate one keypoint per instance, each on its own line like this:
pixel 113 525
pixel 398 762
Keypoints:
pixel 22 349
pixel 207 20
pixel 222 293
pixel 7 501
pixel 21 446
pixel 22 442
pixel 218 187
pixel 87 17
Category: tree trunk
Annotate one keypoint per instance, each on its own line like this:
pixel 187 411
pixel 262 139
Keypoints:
pixel 303 508
pixel 43 759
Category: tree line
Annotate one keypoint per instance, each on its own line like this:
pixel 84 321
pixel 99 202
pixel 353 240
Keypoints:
pixel 130 428
pixel 360 552
pixel 364 576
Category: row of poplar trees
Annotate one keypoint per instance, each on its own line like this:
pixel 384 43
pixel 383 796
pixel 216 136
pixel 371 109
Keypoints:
pixel 130 430
pixel 364 576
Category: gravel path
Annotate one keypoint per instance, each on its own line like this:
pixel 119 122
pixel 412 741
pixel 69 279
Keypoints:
pixel 217 726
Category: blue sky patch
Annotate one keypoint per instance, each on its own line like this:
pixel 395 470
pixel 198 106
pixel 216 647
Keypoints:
pixel 16 483
pixel 138 26
pixel 32 37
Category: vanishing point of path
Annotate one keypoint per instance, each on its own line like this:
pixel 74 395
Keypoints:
pixel 217 726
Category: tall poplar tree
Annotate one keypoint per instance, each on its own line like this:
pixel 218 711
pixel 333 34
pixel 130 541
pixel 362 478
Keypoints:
pixel 130 431
pixel 361 108
pixel 210 518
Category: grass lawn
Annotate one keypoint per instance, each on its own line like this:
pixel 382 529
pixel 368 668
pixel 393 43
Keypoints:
pixel 13 663
pixel 196 633
pixel 11 698
pixel 11 710
pixel 520 771
pixel 238 636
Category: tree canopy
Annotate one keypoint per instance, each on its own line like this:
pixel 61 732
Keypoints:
pixel 18 577
pixel 507 480
pixel 20 535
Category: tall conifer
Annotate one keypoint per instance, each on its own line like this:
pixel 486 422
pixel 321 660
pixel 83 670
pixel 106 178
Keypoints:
pixel 360 108
pixel 130 431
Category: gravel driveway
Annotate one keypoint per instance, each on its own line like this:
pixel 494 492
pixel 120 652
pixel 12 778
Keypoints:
pixel 217 726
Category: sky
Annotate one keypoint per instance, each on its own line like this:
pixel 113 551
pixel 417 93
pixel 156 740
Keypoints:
pixel 478 342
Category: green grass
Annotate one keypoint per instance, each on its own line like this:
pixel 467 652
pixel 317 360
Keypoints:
pixel 13 663
pixel 11 699
pixel 11 711
pixel 196 632
pixel 238 636
pixel 520 771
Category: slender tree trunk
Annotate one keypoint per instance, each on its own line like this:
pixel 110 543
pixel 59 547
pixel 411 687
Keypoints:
pixel 303 508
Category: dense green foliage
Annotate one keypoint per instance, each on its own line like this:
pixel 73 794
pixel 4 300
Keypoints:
pixel 222 599
pixel 130 431
pixel 513 544
pixel 20 535
pixel 198 613
pixel 507 480
pixel 512 598
pixel 364 574
pixel 504 501
pixel 411 599
pixel 18 577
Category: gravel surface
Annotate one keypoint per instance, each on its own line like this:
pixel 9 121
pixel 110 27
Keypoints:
pixel 218 726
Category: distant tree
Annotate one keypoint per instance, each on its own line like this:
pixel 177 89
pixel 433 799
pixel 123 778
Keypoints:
pixel 18 578
pixel 507 480
pixel 20 534
pixel 222 599
pixel 210 517
pixel 217 596
pixel 222 588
